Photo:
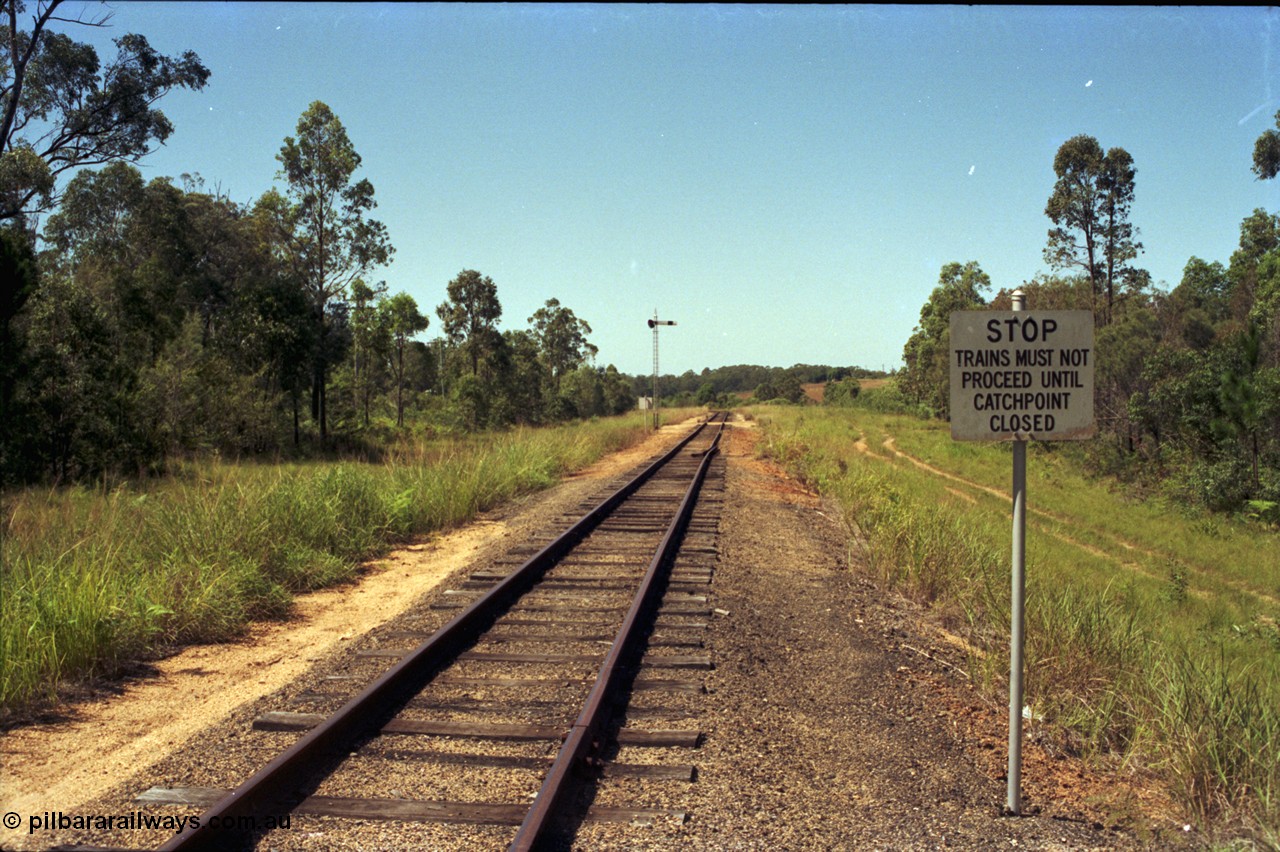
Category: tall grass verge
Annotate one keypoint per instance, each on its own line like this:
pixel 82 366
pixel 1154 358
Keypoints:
pixel 1220 729
pixel 93 578
pixel 1151 638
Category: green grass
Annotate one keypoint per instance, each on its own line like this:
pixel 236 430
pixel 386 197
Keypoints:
pixel 1151 631
pixel 92 578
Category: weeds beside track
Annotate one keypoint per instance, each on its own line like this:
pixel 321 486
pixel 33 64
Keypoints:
pixel 1151 634
pixel 91 578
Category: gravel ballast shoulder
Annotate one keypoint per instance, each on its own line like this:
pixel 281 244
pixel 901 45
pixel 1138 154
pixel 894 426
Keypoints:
pixel 823 728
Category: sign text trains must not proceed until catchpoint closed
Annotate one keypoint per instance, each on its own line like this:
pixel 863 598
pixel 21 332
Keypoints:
pixel 1021 375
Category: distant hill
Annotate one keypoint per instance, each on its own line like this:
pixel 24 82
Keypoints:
pixel 743 379
pixel 816 391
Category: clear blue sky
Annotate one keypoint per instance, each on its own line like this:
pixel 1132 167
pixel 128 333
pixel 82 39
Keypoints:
pixel 784 182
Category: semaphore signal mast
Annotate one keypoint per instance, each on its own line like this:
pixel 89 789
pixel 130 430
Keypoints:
pixel 653 324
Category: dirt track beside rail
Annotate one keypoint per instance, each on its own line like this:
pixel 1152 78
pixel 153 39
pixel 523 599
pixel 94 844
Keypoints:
pixel 80 750
pixel 835 717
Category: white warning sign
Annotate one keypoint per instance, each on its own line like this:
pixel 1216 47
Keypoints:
pixel 1022 375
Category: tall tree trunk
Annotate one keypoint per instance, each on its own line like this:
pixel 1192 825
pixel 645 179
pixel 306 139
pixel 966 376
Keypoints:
pixel 355 381
pixel 400 387
pixel 318 376
pixel 324 413
pixel 1257 481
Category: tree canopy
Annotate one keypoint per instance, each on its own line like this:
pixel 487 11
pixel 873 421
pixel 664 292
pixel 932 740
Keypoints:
pixel 562 338
pixel 326 237
pixel 64 110
pixel 1266 153
pixel 470 316
pixel 1089 208
pixel 403 320
pixel 926 353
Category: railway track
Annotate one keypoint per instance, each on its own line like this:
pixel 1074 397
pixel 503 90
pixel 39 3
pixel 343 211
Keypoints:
pixel 529 679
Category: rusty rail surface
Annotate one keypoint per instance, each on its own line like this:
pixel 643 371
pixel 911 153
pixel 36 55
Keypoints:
pixel 584 736
pixel 283 782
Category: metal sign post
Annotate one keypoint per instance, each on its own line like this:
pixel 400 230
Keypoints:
pixel 1016 376
pixel 1017 620
pixel 653 324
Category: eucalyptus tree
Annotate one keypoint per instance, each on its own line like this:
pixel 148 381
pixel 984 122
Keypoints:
pixel 1090 208
pixel 277 311
pixel 1259 235
pixel 62 109
pixel 370 342
pixel 618 398
pixel 925 377
pixel 562 338
pixel 403 320
pixel 1266 153
pixel 1199 303
pixel 1249 411
pixel 323 224
pixel 524 375
pixel 469 318
pixel 1259 239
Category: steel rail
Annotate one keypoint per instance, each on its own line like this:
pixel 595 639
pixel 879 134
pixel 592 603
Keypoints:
pixel 585 734
pixel 284 779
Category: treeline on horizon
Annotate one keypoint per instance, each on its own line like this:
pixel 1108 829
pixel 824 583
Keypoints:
pixel 1187 382
pixel 713 386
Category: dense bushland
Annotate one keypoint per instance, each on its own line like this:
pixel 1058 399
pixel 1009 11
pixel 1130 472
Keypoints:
pixel 1187 380
pixel 160 322
pixel 143 322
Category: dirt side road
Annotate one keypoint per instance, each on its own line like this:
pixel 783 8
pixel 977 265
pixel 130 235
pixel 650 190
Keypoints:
pixel 826 725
